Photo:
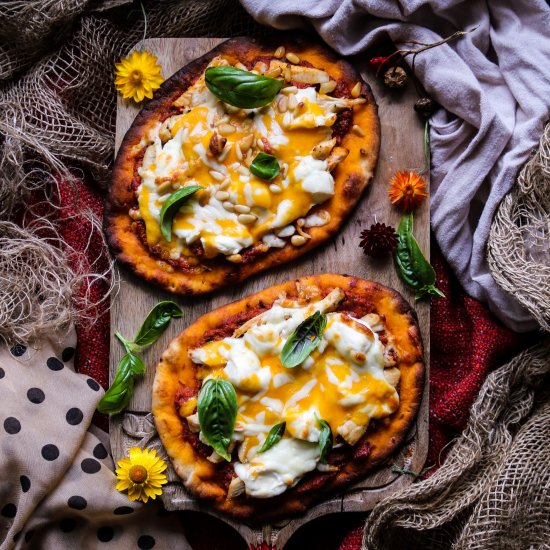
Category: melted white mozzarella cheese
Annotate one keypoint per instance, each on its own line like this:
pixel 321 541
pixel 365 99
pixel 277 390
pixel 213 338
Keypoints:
pixel 280 467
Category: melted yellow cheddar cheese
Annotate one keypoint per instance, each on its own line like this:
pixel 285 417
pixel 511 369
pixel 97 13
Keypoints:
pixel 178 154
pixel 342 382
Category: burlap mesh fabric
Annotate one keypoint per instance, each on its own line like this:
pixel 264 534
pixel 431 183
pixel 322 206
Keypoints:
pixel 519 241
pixel 57 114
pixel 493 491
pixel 57 122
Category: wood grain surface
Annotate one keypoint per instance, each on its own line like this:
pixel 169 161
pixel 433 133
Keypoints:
pixel 401 149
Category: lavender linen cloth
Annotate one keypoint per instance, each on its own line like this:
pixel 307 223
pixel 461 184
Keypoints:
pixel 495 87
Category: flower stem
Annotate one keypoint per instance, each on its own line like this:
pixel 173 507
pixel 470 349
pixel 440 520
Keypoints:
pixel 424 47
pixel 141 44
pixel 427 146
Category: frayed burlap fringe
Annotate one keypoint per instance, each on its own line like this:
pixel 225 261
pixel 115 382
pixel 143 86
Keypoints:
pixel 519 241
pixel 39 283
pixel 57 120
pixel 493 491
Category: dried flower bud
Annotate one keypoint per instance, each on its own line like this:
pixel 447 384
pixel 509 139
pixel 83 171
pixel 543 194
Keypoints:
pixel 395 77
pixel 425 107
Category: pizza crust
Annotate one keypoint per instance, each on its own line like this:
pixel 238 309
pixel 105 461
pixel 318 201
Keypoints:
pixel 209 481
pixel 351 177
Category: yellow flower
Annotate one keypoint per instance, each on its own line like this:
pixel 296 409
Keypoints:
pixel 138 76
pixel 407 190
pixel 141 474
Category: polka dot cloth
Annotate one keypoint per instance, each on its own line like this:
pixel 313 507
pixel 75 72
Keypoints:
pixel 58 486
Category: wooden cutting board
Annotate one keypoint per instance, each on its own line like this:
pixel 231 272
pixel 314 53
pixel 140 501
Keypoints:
pixel 401 149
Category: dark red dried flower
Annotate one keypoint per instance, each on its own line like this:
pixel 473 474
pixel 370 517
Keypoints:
pixel 377 62
pixel 380 239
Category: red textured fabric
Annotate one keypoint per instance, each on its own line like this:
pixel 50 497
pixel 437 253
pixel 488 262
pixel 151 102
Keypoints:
pixel 467 342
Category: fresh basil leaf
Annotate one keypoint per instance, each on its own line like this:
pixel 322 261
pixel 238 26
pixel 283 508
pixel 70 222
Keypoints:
pixel 303 340
pixel 265 166
pixel 325 440
pixel 412 267
pixel 171 206
pixel 273 437
pixel 217 408
pixel 118 395
pixel 240 88
pixel 156 322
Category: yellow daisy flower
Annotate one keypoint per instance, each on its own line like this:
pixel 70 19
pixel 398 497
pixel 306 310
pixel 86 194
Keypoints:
pixel 141 474
pixel 138 76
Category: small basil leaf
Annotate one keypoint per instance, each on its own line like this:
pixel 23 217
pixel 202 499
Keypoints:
pixel 325 440
pixel 265 166
pixel 171 206
pixel 217 409
pixel 412 267
pixel 240 88
pixel 429 290
pixel 303 340
pixel 118 395
pixel 156 322
pixel 273 437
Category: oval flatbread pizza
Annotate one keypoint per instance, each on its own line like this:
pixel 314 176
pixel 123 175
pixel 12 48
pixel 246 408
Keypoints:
pixel 247 158
pixel 268 403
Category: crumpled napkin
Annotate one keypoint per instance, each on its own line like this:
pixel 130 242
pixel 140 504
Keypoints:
pixel 494 84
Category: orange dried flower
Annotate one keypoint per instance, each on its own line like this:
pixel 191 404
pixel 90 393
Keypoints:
pixel 407 190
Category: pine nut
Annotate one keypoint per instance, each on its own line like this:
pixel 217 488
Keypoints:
pixel 235 258
pixel 260 144
pixel 229 206
pixel 274 73
pixel 298 240
pixel 246 143
pixel 279 52
pixel 238 151
pixel 247 218
pixel 356 90
pixel 135 214
pixel 282 104
pixel 222 195
pixel 327 87
pixel 225 184
pixel 289 90
pixel 225 151
pixel 358 130
pixel 218 176
pixel 292 102
pixel 239 65
pixel 261 67
pixel 226 129
pixel 164 187
pixel 293 58
pixel 242 208
pixel 275 189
